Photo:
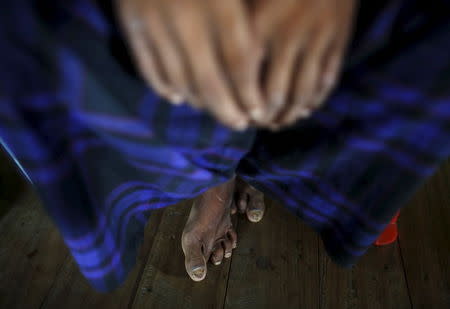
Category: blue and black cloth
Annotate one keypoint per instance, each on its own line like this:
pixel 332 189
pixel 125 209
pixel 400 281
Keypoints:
pixel 103 150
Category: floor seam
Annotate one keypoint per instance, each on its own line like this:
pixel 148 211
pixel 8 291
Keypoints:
pixel 144 264
pixel 229 272
pixel 404 272
pixel 66 261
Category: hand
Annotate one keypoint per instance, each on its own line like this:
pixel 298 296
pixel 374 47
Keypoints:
pixel 202 51
pixel 306 41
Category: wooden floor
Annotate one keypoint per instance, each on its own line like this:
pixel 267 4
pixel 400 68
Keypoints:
pixel 278 262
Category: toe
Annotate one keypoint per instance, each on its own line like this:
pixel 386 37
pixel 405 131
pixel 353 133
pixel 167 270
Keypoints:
pixel 195 261
pixel 218 254
pixel 242 202
pixel 228 248
pixel 255 215
pixel 232 236
pixel 256 208
pixel 233 208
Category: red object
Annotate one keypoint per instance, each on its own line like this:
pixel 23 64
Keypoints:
pixel 389 234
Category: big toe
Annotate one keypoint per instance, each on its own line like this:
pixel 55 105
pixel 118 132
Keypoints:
pixel 256 208
pixel 249 201
pixel 194 260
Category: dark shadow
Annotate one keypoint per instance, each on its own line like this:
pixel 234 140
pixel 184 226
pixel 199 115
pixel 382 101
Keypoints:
pixel 12 182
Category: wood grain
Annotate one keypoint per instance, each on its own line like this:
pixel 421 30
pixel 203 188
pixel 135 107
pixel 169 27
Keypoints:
pixel 71 289
pixel 425 242
pixel 31 254
pixel 275 264
pixel 377 281
pixel 278 262
pixel 165 283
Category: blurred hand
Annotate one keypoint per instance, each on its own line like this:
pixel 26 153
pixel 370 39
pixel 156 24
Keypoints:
pixel 201 51
pixel 304 41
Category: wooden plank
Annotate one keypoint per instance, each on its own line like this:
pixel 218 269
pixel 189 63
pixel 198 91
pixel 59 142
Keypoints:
pixel 425 242
pixel 30 254
pixel 71 289
pixel 164 282
pixel 377 281
pixel 278 262
pixel 275 263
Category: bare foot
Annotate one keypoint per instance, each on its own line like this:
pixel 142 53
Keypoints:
pixel 248 201
pixel 209 234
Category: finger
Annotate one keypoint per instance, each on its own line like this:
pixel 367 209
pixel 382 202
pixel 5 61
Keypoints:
pixel 170 55
pixel 303 92
pixel 241 54
pixel 145 56
pixel 194 101
pixel 194 261
pixel 285 50
pixel 267 15
pixel 332 62
pixel 210 82
pixel 283 55
pixel 328 78
pixel 307 78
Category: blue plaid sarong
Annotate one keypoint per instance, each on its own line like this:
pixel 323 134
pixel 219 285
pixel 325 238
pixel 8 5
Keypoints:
pixel 103 150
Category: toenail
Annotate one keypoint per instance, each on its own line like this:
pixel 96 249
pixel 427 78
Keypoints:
pixel 198 272
pixel 255 215
pixel 228 255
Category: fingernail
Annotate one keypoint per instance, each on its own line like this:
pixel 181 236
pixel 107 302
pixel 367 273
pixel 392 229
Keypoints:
pixel 256 113
pixel 176 99
pixel 276 98
pixel 328 79
pixel 241 125
pixel 136 24
pixel 217 263
pixel 228 255
pixel 198 272
pixel 234 245
pixel 274 127
pixel 276 101
pixel 305 113
pixel 255 215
